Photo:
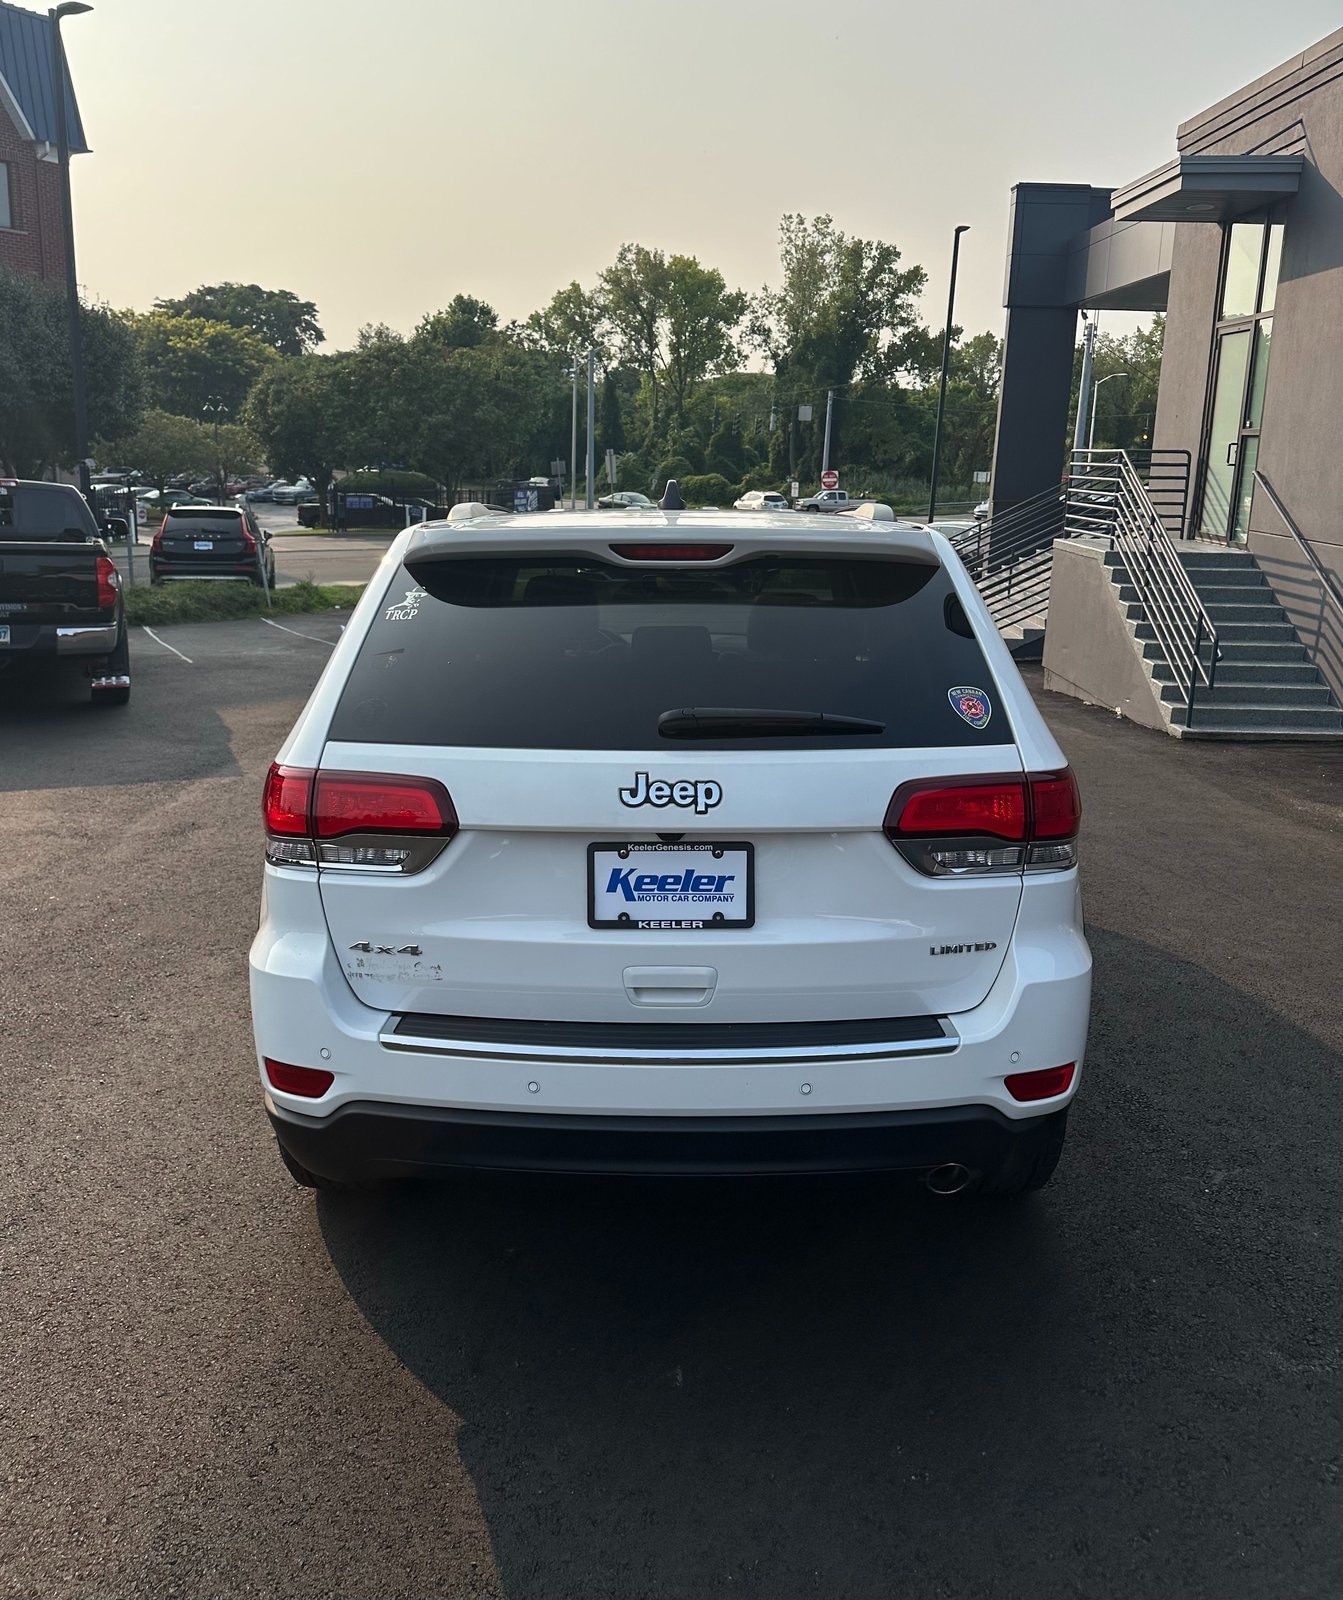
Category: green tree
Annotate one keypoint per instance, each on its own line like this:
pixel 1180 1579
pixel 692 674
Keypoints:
pixel 162 445
pixel 844 310
pixel 299 412
pixel 702 315
pixel 633 293
pixel 36 392
pixel 571 324
pixel 464 325
pixel 276 316
pixel 188 361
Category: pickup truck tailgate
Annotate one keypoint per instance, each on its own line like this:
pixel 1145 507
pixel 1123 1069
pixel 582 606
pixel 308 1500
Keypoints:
pixel 48 582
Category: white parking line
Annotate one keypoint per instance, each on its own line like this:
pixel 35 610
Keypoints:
pixel 297 634
pixel 164 643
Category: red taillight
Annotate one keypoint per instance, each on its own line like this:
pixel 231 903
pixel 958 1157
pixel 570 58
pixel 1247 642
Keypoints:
pixel 1056 805
pixel 310 1082
pixel 944 826
pixel 109 582
pixel 286 801
pixel 156 543
pixel 995 809
pixel 306 812
pixel 671 552
pixel 248 543
pixel 348 802
pixel 1041 1085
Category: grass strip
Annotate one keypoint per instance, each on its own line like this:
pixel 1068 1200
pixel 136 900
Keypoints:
pixel 225 602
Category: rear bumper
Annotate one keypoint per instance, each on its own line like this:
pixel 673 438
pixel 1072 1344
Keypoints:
pixel 364 1140
pixel 29 640
pixel 238 571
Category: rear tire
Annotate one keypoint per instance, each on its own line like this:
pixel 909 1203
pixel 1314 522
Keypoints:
pixel 305 1179
pixel 1022 1175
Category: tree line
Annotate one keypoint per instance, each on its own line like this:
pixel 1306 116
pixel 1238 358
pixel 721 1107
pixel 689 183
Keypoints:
pixel 698 380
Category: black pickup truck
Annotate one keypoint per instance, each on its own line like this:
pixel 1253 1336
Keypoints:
pixel 60 591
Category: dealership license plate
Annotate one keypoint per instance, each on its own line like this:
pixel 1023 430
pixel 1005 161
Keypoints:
pixel 205 544
pixel 4 633
pixel 674 888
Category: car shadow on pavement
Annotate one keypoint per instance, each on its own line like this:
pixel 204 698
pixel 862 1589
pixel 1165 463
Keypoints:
pixel 1120 1386
pixel 53 737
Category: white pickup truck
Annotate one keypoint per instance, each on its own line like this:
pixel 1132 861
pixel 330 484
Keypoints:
pixel 827 500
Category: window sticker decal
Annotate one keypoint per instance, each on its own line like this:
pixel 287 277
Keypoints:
pixel 971 705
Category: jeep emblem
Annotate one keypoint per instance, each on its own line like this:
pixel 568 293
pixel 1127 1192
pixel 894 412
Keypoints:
pixel 701 794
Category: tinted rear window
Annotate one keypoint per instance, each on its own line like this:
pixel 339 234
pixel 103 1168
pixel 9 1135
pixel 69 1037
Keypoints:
pixel 203 519
pixel 44 511
pixel 575 654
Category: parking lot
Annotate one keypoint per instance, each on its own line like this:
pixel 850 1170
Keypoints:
pixel 217 1385
pixel 299 554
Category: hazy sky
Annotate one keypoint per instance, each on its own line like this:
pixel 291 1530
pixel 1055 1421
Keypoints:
pixel 380 157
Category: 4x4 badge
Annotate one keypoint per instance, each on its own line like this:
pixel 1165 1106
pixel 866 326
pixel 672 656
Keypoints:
pixel 701 793
pixel 970 705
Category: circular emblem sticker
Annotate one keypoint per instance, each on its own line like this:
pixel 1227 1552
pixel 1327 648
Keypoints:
pixel 970 705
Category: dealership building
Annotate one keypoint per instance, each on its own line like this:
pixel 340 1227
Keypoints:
pixel 1238 239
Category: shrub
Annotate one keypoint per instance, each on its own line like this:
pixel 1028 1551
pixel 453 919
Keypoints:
pixel 708 489
pixel 395 483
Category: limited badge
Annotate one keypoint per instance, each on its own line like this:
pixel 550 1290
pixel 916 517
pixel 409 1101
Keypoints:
pixel 971 705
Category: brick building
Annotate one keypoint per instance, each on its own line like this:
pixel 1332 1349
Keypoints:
pixel 31 235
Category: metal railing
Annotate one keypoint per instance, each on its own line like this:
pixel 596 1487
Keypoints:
pixel 1107 498
pixel 1164 474
pixel 1309 594
pixel 1010 556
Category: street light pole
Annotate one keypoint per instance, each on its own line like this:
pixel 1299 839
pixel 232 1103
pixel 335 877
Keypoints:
pixel 946 366
pixel 215 407
pixel 1095 390
pixel 592 429
pixel 573 440
pixel 71 8
pixel 1084 387
pixel 825 448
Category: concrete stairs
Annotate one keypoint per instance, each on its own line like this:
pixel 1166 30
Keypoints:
pixel 1266 685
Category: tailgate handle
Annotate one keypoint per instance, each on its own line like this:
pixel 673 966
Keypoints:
pixel 670 986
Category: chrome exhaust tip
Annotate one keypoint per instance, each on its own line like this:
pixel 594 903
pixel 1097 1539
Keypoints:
pixel 948 1179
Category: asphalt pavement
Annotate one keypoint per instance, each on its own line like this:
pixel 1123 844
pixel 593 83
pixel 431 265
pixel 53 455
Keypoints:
pixel 216 1384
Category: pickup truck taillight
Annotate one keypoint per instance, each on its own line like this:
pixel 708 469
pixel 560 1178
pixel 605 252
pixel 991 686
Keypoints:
pixel 960 826
pixel 109 583
pixel 354 820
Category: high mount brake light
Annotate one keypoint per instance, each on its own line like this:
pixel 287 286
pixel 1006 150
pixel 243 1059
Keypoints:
pixel 109 583
pixel 964 826
pixel 384 824
pixel 671 552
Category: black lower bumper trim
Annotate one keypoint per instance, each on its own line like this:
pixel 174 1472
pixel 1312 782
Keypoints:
pixel 366 1140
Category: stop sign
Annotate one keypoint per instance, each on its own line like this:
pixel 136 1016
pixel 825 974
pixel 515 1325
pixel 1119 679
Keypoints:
pixel 830 480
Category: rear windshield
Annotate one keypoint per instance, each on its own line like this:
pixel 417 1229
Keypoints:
pixel 205 519
pixel 574 654
pixel 44 511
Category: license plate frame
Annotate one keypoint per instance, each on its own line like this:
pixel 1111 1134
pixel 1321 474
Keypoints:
pixel 686 909
pixel 204 544
pixel 4 633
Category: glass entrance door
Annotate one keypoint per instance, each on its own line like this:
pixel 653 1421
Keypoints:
pixel 1224 433
pixel 1251 259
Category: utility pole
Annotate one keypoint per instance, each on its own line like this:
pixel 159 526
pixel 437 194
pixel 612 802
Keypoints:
pixel 825 448
pixel 1084 391
pixel 592 429
pixel 71 8
pixel 964 227
pixel 573 439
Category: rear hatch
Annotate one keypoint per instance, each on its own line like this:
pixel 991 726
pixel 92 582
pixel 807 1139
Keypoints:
pixel 205 536
pixel 563 703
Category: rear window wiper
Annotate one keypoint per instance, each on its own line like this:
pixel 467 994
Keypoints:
pixel 746 722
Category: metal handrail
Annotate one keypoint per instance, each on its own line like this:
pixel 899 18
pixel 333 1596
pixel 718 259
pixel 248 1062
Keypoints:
pixel 1275 500
pixel 1010 556
pixel 1106 497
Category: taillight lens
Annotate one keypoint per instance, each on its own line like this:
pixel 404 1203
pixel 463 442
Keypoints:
pixel 953 827
pixel 248 543
pixel 310 1082
pixel 109 583
pixel 1041 1085
pixel 348 802
pixel 156 543
pixel 671 552
pixel 326 818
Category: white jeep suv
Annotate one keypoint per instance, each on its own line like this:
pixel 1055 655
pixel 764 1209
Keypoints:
pixel 703 844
